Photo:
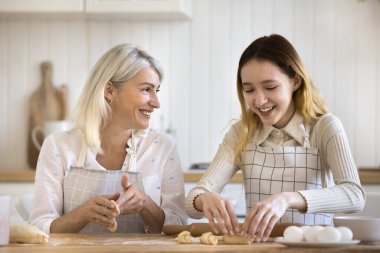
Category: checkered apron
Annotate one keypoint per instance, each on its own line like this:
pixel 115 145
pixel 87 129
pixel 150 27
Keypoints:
pixel 270 170
pixel 81 184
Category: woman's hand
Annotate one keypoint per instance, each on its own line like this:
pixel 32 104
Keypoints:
pixel 100 210
pixel 220 210
pixel 133 200
pixel 265 214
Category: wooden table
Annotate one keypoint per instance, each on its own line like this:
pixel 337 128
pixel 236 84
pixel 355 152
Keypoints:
pixel 95 243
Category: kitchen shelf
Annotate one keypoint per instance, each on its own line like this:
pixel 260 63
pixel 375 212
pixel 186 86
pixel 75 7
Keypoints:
pixel 41 6
pixel 367 176
pixel 97 9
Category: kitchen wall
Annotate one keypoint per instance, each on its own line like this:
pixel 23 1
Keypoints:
pixel 339 41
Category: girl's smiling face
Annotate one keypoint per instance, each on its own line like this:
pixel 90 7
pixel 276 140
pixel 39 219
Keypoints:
pixel 268 92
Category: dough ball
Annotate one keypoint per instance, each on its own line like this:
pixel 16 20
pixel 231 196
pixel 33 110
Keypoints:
pixel 27 234
pixel 113 228
pixel 346 234
pixel 209 239
pixel 293 234
pixel 114 225
pixel 184 237
pixel 116 207
pixel 328 235
pixel 311 234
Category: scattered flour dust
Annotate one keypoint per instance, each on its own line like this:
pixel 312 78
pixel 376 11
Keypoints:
pixel 112 241
pixel 149 242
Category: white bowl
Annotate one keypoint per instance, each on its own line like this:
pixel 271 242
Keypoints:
pixel 364 228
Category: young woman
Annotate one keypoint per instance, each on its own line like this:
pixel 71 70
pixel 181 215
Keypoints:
pixel 294 154
pixel 109 163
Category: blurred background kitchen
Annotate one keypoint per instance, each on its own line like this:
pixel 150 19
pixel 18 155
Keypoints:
pixel 199 43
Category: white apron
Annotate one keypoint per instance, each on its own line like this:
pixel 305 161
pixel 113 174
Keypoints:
pixel 270 170
pixel 82 183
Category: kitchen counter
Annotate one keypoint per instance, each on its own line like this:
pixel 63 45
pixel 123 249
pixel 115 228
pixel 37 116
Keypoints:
pixel 367 176
pixel 95 243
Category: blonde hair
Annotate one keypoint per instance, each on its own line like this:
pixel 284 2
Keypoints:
pixel 117 65
pixel 308 101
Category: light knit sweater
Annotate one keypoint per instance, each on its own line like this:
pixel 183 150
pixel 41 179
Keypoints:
pixel 340 179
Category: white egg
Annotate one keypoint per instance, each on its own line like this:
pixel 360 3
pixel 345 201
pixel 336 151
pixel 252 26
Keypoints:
pixel 293 234
pixel 346 234
pixel 305 228
pixel 328 235
pixel 311 234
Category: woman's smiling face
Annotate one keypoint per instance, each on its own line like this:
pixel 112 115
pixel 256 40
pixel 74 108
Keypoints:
pixel 268 92
pixel 133 103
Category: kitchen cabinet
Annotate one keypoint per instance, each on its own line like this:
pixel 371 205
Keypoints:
pixel 41 6
pixel 98 9
pixel 16 191
pixel 21 182
pixel 149 9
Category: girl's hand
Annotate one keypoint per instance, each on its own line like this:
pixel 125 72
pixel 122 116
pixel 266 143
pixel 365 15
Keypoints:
pixel 133 200
pixel 100 210
pixel 220 210
pixel 265 214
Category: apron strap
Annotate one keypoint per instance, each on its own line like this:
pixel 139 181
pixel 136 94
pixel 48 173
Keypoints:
pixel 131 150
pixel 82 154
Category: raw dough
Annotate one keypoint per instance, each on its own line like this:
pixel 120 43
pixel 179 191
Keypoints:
pixel 27 234
pixel 210 239
pixel 114 225
pixel 184 237
pixel 236 239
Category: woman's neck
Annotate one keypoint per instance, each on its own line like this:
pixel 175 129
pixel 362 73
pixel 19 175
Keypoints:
pixel 113 140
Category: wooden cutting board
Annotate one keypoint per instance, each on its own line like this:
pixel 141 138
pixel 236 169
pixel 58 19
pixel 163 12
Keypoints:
pixel 46 103
pixel 197 229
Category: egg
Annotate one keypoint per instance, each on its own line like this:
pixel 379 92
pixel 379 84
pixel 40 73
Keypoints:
pixel 293 234
pixel 346 234
pixel 311 234
pixel 305 228
pixel 328 235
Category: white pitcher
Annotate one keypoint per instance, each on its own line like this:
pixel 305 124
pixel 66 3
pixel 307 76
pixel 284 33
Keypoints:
pixel 48 128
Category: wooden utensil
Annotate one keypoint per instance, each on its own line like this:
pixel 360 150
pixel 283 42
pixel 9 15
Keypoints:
pixel 46 103
pixel 197 229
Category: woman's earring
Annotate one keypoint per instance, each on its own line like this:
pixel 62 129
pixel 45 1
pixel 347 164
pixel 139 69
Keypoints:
pixel 109 101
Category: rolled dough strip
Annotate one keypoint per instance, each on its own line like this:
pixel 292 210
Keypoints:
pixel 236 239
pixel 114 225
pixel 184 238
pixel 27 234
pixel 209 239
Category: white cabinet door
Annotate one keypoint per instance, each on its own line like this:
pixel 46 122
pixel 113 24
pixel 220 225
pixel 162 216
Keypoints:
pixel 41 6
pixel 140 8
pixel 16 191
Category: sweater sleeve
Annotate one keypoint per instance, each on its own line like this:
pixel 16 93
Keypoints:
pixel 347 192
pixel 220 171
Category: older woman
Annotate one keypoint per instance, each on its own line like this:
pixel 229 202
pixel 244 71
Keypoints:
pixel 110 172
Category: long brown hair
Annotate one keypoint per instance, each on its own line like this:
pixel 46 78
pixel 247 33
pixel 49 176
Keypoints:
pixel 279 51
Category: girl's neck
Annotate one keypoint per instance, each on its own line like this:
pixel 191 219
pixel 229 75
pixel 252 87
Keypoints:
pixel 287 117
